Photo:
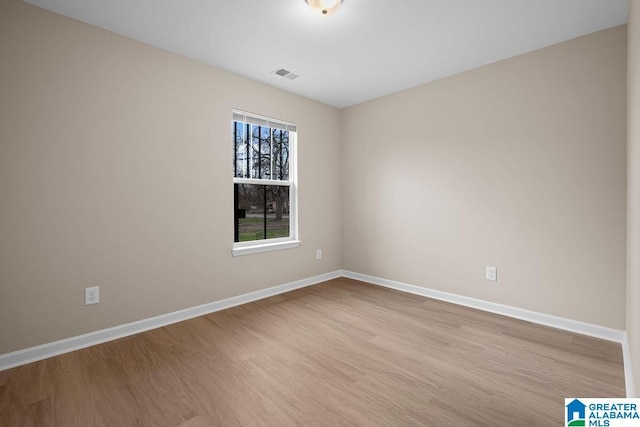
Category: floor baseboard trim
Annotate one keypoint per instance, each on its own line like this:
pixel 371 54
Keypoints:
pixel 628 370
pixel 44 351
pixel 583 328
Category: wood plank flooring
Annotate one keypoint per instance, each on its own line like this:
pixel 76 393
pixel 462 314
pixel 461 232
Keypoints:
pixel 339 353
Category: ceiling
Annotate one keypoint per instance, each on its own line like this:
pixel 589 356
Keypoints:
pixel 368 49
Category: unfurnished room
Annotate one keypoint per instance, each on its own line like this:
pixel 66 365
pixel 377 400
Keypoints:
pixel 319 213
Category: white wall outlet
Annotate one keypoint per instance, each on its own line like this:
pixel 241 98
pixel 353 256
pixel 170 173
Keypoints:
pixel 318 253
pixel 492 273
pixel 92 295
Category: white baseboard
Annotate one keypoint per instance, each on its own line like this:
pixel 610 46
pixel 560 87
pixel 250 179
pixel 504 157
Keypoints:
pixel 44 351
pixel 628 369
pixel 583 328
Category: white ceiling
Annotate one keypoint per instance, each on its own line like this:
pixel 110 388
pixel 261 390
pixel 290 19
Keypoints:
pixel 369 48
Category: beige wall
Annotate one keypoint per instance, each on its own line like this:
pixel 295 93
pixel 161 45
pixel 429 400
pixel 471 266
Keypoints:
pixel 115 171
pixel 633 192
pixel 519 165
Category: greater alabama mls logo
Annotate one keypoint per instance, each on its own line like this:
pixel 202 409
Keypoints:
pixel 575 413
pixel 602 412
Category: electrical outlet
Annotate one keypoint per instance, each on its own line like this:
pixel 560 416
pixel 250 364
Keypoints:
pixel 492 273
pixel 318 253
pixel 92 295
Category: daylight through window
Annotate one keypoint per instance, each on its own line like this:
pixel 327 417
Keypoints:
pixel 263 183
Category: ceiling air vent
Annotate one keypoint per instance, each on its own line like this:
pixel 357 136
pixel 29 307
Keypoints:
pixel 286 73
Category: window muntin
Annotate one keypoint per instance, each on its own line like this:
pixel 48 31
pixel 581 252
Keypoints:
pixel 264 188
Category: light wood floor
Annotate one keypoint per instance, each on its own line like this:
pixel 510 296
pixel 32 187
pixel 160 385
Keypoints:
pixel 339 353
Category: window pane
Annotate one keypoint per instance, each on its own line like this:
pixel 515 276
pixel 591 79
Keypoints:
pixel 262 212
pixel 280 155
pixel 240 153
pixel 260 152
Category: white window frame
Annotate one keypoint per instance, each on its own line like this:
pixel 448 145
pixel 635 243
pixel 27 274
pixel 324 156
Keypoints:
pixel 266 245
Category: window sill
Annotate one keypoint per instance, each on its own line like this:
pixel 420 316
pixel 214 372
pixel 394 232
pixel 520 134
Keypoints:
pixel 265 247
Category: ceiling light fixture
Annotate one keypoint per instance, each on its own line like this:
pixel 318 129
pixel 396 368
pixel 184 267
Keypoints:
pixel 324 7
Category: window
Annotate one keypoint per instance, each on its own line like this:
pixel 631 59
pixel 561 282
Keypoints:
pixel 264 185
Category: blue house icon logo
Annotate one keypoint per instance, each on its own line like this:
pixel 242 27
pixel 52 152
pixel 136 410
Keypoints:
pixel 575 413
